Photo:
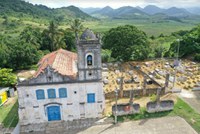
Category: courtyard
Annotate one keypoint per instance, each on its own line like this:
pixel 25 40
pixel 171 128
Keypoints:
pixel 164 125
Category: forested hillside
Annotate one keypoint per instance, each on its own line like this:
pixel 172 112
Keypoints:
pixel 25 10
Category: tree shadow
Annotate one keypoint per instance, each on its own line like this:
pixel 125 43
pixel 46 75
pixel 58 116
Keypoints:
pixel 12 118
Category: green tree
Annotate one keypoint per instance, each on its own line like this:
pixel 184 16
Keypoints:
pixel 69 40
pixel 32 36
pixel 153 37
pixel 7 78
pixel 189 44
pixel 23 55
pixel 126 43
pixel 5 51
pixel 4 55
pixel 160 46
pixel 161 35
pixel 105 55
pixel 5 22
pixel 197 57
pixel 76 26
pixel 52 38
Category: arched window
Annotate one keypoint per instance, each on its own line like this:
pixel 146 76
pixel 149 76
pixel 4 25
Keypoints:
pixel 40 94
pixel 51 93
pixel 89 60
pixel 62 92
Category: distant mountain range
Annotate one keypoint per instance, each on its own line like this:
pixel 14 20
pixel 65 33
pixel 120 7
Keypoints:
pixel 135 12
pixel 194 10
pixel 22 9
pixel 25 10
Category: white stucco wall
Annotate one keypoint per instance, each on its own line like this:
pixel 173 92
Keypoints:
pixel 75 106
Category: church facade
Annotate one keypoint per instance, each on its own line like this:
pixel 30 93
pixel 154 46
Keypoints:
pixel 67 86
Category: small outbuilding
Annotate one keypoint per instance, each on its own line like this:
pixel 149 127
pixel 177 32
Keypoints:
pixel 3 95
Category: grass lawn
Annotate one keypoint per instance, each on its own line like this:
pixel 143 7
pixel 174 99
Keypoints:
pixel 9 113
pixel 181 109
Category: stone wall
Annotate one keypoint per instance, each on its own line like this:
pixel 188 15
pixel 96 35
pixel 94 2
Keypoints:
pixel 136 93
pixel 126 109
pixel 161 106
pixel 58 127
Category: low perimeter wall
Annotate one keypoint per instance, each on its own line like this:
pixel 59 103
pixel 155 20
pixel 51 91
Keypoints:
pixel 136 93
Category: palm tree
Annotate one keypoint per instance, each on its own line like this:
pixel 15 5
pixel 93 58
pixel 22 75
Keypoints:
pixel 76 26
pixel 55 36
pixel 52 30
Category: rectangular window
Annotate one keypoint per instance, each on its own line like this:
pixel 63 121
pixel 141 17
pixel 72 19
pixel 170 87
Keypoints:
pixel 62 93
pixel 91 98
pixel 51 93
pixel 40 94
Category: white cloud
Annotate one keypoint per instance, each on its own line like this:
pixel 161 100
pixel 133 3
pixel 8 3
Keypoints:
pixel 116 3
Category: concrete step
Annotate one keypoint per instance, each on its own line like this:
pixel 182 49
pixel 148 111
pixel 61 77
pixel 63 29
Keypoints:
pixel 55 124
pixel 55 131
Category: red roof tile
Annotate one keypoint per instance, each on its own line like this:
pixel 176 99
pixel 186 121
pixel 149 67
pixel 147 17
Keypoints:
pixel 62 61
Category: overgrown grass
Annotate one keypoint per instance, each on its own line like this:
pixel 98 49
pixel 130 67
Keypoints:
pixel 147 26
pixel 181 109
pixel 9 114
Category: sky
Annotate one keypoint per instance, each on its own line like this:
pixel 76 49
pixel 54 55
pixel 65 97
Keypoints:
pixel 117 3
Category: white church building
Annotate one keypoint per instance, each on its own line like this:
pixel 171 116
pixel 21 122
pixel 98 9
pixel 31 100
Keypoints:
pixel 67 86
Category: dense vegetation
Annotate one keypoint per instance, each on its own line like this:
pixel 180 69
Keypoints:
pixel 189 44
pixel 126 43
pixel 25 50
pixel 7 78
pixel 25 36
pixel 121 43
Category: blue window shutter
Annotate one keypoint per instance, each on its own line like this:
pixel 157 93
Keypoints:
pixel 62 93
pixel 51 93
pixel 91 98
pixel 40 94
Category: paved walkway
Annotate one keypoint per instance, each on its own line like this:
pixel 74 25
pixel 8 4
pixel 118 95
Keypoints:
pixel 165 125
pixel 192 98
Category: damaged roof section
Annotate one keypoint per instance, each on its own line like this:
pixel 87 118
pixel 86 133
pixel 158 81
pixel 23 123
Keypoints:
pixel 58 66
pixel 62 61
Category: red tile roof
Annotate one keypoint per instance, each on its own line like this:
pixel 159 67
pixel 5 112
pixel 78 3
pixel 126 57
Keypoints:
pixel 62 61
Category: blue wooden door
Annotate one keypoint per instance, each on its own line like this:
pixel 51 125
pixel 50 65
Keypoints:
pixel 53 113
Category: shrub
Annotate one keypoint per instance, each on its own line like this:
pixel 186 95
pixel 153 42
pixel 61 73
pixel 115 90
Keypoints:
pixel 153 97
pixel 197 57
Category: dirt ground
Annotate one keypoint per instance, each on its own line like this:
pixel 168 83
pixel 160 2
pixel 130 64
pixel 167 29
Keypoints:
pixel 188 70
pixel 25 73
pixel 187 74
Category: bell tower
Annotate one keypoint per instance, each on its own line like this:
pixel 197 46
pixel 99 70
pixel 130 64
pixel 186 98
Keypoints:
pixel 89 57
